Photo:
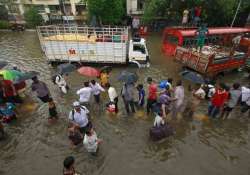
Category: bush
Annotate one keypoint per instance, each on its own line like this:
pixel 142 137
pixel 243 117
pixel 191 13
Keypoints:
pixel 33 18
pixel 4 24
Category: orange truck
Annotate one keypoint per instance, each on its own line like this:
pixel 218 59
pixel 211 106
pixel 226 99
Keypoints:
pixel 217 56
pixel 245 47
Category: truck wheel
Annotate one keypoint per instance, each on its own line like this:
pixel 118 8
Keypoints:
pixel 53 63
pixel 135 64
pixel 219 75
pixel 183 68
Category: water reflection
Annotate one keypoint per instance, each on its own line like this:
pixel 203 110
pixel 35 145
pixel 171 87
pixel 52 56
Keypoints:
pixel 198 147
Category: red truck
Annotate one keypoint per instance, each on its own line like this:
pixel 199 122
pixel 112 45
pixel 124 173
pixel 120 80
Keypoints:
pixel 217 56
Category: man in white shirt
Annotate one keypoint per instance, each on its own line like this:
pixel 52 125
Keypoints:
pixel 96 90
pixel 61 83
pixel 91 142
pixel 198 95
pixel 245 94
pixel 245 99
pixel 85 94
pixel 113 96
pixel 79 117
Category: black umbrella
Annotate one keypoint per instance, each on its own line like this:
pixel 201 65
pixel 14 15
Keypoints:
pixel 26 76
pixel 193 77
pixel 3 64
pixel 106 69
pixel 66 68
pixel 127 77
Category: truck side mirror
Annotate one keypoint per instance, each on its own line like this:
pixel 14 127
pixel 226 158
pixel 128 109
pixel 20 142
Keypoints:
pixel 143 50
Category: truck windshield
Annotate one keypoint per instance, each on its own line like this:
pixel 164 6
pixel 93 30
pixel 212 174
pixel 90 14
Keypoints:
pixel 139 48
pixel 172 39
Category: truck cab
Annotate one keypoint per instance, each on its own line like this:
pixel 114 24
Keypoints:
pixel 138 51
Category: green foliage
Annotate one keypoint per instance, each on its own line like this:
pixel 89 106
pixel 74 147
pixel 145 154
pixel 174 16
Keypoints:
pixel 4 24
pixel 33 18
pixel 108 11
pixel 156 8
pixel 214 12
pixel 3 13
pixel 6 2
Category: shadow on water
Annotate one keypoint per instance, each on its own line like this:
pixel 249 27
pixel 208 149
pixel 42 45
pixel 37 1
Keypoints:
pixel 35 147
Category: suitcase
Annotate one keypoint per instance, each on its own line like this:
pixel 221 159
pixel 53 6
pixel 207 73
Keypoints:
pixel 158 133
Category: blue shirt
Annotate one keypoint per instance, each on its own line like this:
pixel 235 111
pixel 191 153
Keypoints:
pixel 8 110
pixel 141 96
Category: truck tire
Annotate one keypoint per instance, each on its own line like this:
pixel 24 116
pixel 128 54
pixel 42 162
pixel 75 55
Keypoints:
pixel 218 76
pixel 53 63
pixel 135 63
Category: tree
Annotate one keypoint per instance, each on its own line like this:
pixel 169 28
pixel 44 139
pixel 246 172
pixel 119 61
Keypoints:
pixel 33 18
pixel 214 12
pixel 156 8
pixel 7 3
pixel 107 11
pixel 3 13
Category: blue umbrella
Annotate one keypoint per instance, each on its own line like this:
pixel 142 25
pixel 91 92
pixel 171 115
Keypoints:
pixel 127 77
pixel 66 68
pixel 164 84
pixel 193 77
pixel 26 76
pixel 3 64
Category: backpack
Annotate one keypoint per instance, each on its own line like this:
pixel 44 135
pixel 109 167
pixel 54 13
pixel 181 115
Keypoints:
pixel 73 112
pixel 53 78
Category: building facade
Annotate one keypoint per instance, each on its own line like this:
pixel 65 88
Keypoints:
pixel 52 9
pixel 135 7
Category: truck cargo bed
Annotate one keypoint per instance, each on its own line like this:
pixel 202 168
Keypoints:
pixel 84 44
pixel 209 64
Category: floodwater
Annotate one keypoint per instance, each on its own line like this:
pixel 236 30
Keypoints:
pixel 34 147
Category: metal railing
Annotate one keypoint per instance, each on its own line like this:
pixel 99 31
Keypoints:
pixel 58 41
pixel 110 34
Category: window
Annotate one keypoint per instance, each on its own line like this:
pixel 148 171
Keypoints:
pixel 140 4
pixel 81 9
pixel 139 48
pixel 172 39
pixel 187 42
pixel 54 8
pixel 13 8
pixel 40 8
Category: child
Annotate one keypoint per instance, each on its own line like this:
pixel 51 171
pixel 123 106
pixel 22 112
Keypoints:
pixel 104 78
pixel 74 135
pixel 7 112
pixel 52 111
pixel 159 121
pixel 96 90
pixel 110 107
pixel 91 141
pixel 68 166
pixel 141 93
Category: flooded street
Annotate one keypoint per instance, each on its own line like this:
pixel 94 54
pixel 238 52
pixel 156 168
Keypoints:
pixel 34 147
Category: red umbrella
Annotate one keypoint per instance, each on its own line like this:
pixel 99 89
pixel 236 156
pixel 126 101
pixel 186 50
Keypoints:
pixel 89 71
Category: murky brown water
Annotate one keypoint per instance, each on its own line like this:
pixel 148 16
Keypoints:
pixel 34 147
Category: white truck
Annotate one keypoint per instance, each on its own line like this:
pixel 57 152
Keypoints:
pixel 92 45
